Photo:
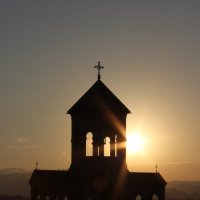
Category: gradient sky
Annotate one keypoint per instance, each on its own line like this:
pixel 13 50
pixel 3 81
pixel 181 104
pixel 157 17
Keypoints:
pixel 150 51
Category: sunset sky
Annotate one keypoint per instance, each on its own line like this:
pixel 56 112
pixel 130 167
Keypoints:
pixel 150 51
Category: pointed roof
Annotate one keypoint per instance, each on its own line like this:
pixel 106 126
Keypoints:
pixel 97 98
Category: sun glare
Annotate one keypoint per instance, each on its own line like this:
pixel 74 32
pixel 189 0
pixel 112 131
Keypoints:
pixel 135 143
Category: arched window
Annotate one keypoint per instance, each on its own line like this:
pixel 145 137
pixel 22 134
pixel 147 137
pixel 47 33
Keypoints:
pixel 38 197
pixel 155 197
pixel 115 145
pixel 65 198
pixel 89 145
pixel 138 197
pixel 98 151
pixel 107 146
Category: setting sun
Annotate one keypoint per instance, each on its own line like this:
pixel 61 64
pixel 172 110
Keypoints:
pixel 135 143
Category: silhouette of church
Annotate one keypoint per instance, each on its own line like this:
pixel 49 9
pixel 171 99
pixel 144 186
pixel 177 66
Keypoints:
pixel 97 177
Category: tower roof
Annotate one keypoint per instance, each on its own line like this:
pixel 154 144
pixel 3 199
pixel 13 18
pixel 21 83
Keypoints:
pixel 98 97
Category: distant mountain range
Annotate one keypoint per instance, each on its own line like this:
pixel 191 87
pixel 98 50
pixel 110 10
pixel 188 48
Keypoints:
pixel 183 190
pixel 13 170
pixel 15 182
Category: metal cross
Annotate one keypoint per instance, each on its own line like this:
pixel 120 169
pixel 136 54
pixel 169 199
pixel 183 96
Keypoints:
pixel 36 165
pixel 99 67
pixel 156 168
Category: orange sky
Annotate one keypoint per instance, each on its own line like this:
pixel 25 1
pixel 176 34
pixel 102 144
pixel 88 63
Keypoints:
pixel 150 51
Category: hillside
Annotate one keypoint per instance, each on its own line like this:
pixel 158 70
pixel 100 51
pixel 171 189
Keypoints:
pixel 14 182
pixel 183 190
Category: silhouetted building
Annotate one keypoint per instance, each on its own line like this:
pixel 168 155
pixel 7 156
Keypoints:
pixel 97 176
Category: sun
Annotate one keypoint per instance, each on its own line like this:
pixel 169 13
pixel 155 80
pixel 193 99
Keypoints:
pixel 135 143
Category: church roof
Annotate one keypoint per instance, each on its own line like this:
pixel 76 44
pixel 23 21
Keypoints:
pixel 98 97
pixel 63 176
pixel 151 178
pixel 49 176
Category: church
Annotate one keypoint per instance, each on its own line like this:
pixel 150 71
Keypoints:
pixel 98 176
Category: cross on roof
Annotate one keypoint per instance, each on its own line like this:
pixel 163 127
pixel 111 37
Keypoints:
pixel 36 165
pixel 99 67
pixel 156 168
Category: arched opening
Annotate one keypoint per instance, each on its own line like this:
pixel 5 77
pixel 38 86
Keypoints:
pixel 89 144
pixel 155 197
pixel 138 197
pixel 38 197
pixel 65 198
pixel 98 151
pixel 107 146
pixel 47 198
pixel 115 145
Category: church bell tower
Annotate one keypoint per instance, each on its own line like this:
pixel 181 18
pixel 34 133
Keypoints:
pixel 102 114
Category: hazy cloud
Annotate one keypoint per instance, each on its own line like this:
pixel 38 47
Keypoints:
pixel 20 140
pixel 181 163
pixel 21 147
